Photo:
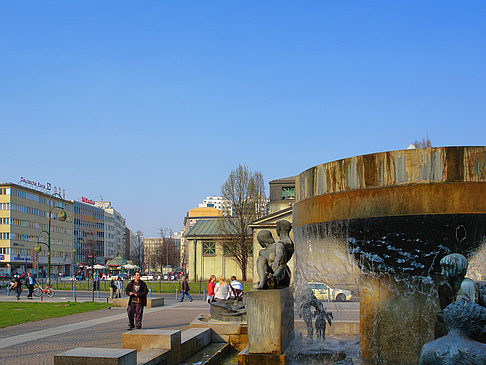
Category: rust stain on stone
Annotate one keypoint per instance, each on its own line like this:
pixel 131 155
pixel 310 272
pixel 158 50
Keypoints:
pixel 430 165
pixel 455 164
pixel 416 199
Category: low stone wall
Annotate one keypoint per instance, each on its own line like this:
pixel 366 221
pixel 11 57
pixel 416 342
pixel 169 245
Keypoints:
pixel 234 333
pixel 151 303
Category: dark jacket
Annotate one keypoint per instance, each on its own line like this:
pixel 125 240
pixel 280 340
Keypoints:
pixel 18 285
pixel 142 293
pixel 185 286
pixel 27 281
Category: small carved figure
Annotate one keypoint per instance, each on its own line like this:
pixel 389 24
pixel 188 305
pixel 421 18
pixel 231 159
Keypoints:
pixel 323 316
pixel 465 320
pixel 310 301
pixel 455 287
pixel 272 267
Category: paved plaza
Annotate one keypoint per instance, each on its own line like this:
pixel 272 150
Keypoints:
pixel 38 342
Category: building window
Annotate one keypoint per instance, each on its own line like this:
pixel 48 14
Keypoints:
pixel 288 192
pixel 229 248
pixel 209 248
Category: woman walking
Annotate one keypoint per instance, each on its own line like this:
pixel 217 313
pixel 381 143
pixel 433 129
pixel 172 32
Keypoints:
pixel 211 286
pixel 221 290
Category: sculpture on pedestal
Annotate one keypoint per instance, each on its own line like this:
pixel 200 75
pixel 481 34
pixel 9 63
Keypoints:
pixel 465 320
pixel 272 267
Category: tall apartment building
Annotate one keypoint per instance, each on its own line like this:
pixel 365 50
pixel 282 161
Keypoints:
pixel 88 232
pixel 217 202
pixel 24 221
pixel 114 230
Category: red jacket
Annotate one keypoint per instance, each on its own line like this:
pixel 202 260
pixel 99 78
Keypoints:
pixel 211 286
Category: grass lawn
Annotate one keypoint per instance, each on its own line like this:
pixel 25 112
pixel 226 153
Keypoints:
pixel 15 313
pixel 156 286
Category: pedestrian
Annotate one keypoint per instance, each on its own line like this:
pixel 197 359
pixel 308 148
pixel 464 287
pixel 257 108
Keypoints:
pixel 137 291
pixel 17 286
pixel 119 287
pixel 185 289
pixel 221 290
pixel 236 289
pixel 29 283
pixel 112 288
pixel 211 286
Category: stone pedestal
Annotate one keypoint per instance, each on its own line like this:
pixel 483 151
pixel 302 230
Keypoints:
pixel 270 320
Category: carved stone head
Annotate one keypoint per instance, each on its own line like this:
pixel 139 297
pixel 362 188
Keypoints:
pixel 454 266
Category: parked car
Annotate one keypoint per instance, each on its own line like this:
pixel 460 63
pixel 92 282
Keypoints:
pixel 325 292
pixel 147 277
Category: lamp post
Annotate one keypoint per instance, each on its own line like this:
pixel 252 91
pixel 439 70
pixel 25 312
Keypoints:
pixel 61 216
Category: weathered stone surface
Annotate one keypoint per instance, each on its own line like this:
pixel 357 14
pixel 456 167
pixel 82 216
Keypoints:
pixel 153 357
pixel 270 320
pixel 154 339
pixel 96 356
pixel 245 358
pixel 193 340
pixel 235 333
pixel 228 311
pixel 151 302
pixel 211 355
pixel 391 315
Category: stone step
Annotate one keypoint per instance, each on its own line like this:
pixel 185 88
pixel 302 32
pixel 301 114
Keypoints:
pixel 193 340
pixel 153 357
pixel 209 355
pixel 145 339
pixel 96 356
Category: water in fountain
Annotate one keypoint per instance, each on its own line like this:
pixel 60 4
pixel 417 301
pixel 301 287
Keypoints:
pixel 393 262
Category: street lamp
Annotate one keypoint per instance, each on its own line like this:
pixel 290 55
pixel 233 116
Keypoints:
pixel 61 216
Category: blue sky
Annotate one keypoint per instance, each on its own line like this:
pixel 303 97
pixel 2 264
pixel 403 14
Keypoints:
pixel 151 104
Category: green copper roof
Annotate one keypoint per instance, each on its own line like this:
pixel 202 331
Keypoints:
pixel 208 227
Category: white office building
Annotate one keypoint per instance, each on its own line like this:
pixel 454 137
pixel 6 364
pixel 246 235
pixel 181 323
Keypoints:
pixel 217 202
pixel 114 230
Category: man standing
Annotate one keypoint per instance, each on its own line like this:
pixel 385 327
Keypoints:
pixel 185 289
pixel 137 291
pixel 29 283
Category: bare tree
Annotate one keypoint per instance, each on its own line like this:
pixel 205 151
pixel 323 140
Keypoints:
pixel 424 143
pixel 168 252
pixel 245 190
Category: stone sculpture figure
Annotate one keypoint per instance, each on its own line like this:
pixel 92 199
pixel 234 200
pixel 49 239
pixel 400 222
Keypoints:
pixel 272 267
pixel 310 301
pixel 465 320
pixel 455 287
pixel 322 316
